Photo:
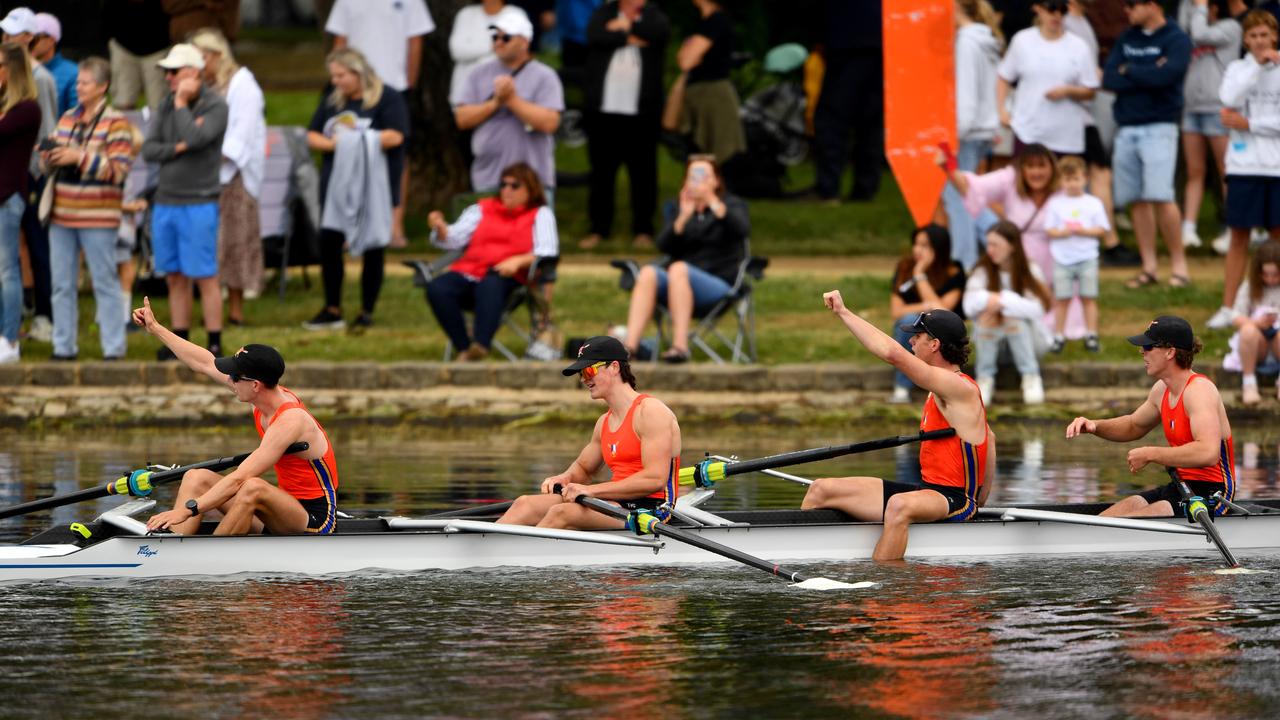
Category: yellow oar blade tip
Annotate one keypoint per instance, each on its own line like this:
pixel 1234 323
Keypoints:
pixel 821 583
pixel 1238 571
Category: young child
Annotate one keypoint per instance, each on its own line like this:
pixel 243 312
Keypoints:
pixel 1074 222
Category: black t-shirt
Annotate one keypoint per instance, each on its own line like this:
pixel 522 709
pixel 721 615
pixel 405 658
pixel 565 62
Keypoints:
pixel 390 113
pixel 715 65
pixel 141 26
pixel 912 295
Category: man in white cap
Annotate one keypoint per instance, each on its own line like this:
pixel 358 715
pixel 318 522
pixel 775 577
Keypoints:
pixel 19 26
pixel 44 48
pixel 513 104
pixel 389 34
pixel 185 140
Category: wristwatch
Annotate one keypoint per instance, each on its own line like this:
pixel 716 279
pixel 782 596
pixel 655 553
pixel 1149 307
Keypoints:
pixel 193 506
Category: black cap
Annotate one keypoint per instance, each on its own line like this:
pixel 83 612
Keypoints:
pixel 941 324
pixel 1168 330
pixel 253 362
pixel 601 348
pixel 1052 4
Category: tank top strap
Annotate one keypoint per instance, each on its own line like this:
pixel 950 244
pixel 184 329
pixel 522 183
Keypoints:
pixel 626 421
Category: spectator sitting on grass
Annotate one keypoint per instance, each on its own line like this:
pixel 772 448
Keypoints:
pixel 925 279
pixel 1006 297
pixel 1256 311
pixel 1251 111
pixel 1075 222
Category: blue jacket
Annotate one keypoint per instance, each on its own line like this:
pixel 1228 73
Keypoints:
pixel 1146 73
pixel 64 74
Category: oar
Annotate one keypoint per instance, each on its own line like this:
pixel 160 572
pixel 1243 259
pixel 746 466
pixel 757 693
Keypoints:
pixel 1199 512
pixel 139 483
pixel 645 523
pixel 707 472
pixel 485 509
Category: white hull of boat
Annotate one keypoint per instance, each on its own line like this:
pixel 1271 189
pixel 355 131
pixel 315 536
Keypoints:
pixel 417 550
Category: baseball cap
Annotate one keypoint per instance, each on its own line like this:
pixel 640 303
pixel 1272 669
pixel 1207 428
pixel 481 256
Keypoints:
pixel 1051 5
pixel 182 55
pixel 601 348
pixel 19 20
pixel 47 24
pixel 513 24
pixel 253 362
pixel 941 324
pixel 1168 330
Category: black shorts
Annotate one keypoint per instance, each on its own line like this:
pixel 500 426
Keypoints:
pixel 321 515
pixel 960 507
pixel 1253 201
pixel 1169 492
pixel 1094 152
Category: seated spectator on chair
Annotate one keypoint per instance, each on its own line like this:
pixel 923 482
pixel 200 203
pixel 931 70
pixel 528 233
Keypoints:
pixel 704 245
pixel 1006 297
pixel 1256 312
pixel 93 153
pixel 925 279
pixel 502 236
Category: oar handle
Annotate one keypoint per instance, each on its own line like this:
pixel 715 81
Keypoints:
pixel 1199 512
pixel 138 482
pixel 716 470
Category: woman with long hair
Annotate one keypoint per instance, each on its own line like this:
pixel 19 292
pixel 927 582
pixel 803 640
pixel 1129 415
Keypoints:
pixel 924 279
pixel 19 126
pixel 501 235
pixel 704 243
pixel 243 163
pixel 359 102
pixel 1006 297
pixel 1255 315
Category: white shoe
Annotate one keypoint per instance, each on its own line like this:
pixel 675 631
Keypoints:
pixel 1257 236
pixel 987 388
pixel 1222 243
pixel 8 352
pixel 1032 390
pixel 900 396
pixel 41 329
pixel 1190 237
pixel 1221 319
pixel 1249 394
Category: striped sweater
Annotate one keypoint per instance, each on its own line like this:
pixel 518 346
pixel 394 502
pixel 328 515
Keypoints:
pixel 88 195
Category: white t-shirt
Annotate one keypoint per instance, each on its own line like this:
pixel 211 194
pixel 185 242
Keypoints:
pixel 380 29
pixel 1064 213
pixel 621 94
pixel 1038 65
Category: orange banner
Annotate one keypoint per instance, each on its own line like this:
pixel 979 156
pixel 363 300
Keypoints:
pixel 919 97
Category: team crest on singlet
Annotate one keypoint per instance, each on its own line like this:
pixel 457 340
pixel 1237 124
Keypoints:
pixel 613 449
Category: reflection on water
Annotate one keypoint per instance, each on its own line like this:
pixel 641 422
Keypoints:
pixel 1114 636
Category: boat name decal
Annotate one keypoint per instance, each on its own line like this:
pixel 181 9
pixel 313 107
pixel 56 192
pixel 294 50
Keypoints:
pixel 146 551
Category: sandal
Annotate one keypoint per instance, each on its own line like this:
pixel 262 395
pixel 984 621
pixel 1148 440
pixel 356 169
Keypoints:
pixel 675 357
pixel 1179 281
pixel 1141 280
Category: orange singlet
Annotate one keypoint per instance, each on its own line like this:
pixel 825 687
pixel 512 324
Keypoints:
pixel 307 480
pixel 621 451
pixel 952 462
pixel 1177 431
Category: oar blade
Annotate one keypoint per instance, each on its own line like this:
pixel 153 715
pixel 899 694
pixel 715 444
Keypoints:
pixel 821 584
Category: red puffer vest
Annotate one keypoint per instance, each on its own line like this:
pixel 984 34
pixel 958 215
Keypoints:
pixel 501 234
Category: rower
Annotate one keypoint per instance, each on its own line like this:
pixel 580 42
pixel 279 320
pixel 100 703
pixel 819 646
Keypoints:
pixel 957 472
pixel 1189 408
pixel 307 497
pixel 638 438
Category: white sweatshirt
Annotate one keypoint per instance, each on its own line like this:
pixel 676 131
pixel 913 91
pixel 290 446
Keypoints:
pixel 1254 91
pixel 1024 307
pixel 977 53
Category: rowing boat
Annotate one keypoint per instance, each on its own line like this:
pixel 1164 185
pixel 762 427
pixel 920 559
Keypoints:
pixel 118 545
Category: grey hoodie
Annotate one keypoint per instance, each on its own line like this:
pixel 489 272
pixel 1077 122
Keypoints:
pixel 1213 48
pixel 977 54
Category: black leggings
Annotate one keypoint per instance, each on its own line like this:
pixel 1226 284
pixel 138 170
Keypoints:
pixel 332 270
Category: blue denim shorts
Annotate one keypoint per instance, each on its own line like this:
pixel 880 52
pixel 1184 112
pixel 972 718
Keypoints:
pixel 707 289
pixel 1143 161
pixel 1208 124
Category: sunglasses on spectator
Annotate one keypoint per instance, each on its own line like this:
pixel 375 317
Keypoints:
pixel 170 71
pixel 502 37
pixel 511 184
pixel 589 372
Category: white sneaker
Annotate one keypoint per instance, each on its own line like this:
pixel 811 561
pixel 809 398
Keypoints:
pixel 900 396
pixel 41 329
pixel 1190 237
pixel 987 388
pixel 8 352
pixel 1222 243
pixel 1220 320
pixel 1257 236
pixel 1032 390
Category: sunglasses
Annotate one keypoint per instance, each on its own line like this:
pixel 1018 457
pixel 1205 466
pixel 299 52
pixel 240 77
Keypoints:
pixel 1149 348
pixel 511 184
pixel 236 377
pixel 502 37
pixel 589 372
pixel 170 71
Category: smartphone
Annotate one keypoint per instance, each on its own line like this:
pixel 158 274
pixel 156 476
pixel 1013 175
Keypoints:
pixel 48 144
pixel 698 173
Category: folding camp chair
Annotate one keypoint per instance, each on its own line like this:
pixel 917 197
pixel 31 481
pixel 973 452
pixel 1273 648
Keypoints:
pixel 288 204
pixel 530 295
pixel 739 303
